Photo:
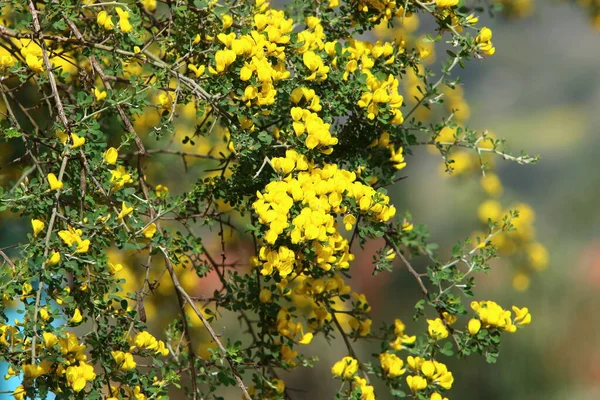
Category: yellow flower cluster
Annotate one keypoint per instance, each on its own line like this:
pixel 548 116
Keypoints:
pixel 73 367
pixel 302 94
pixel 367 392
pixel 345 368
pixel 396 156
pixel 317 131
pixel 446 3
pixel 104 20
pixel 321 192
pixel 145 341
pixel 32 53
pixel 382 93
pixel 124 360
pixel 267 40
pixel 427 373
pixel 437 329
pixel 119 177
pixel 492 315
pixel 290 329
pixel 72 236
pixel 401 337
pixel 384 9
pixel 79 375
pixel 315 65
pixel 484 40
pixel 521 240
pixel 391 364
pixel 6 59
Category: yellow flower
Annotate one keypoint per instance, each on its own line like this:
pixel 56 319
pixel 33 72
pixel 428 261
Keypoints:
pixel 198 71
pixel 437 396
pixel 474 326
pixel 114 268
pixel 416 383
pixel 78 376
pixel 446 3
pixel 161 191
pixel 407 226
pixel 62 136
pixel 306 338
pixel 76 318
pixel 34 63
pixel 100 94
pixel 149 5
pixel 162 349
pixel 50 339
pixel 120 177
pixel 265 295
pixel 125 210
pixel 485 41
pixel 124 23
pixel 391 364
pixel 145 340
pixel 26 288
pixel 345 368
pixel 105 21
pixel 44 314
pixel 83 246
pixel 19 393
pixel 227 21
pixel 54 183
pixel 349 220
pixel 111 155
pixel 124 360
pixel 522 315
pixel 77 141
pixel 436 328
pixel 6 61
pixel 70 236
pixel 38 226
pixel 149 231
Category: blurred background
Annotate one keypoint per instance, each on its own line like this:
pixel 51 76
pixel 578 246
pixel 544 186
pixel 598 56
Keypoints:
pixel 540 91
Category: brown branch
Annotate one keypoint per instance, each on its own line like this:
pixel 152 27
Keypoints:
pixel 206 324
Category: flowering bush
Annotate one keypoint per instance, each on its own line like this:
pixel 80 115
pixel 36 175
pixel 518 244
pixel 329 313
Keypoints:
pixel 290 124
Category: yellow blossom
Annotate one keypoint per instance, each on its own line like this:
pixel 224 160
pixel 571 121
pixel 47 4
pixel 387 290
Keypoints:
pixel 436 328
pixel 44 314
pixel 265 295
pixel 78 376
pixel 77 141
pixel 50 339
pixel 522 315
pixel 77 317
pixel 474 326
pixel 124 360
pixel 345 368
pixel 391 364
pixel 19 393
pixel 306 338
pixel 83 246
pixel 105 20
pixel 124 23
pixel 99 94
pixel 416 383
pixel 54 183
pixel 111 155
pixel 149 231
pixel 38 226
pixel 34 63
pixel 149 5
